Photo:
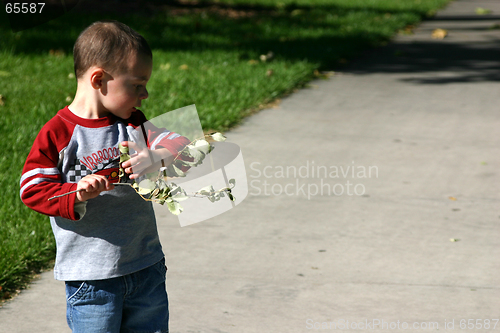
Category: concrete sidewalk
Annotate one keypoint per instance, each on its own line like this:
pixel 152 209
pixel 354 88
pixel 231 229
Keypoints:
pixel 418 122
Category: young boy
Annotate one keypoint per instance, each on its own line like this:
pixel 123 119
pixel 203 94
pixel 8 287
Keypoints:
pixel 108 250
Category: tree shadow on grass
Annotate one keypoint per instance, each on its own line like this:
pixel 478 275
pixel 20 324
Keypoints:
pixel 317 34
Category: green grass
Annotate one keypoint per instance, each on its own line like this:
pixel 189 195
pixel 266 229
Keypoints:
pixel 222 74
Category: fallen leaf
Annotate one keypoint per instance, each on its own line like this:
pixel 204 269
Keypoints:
pixel 267 57
pixel 439 33
pixel 408 30
pixel 57 53
pixel 482 11
pixel 252 62
pixel 71 75
pixel 269 72
pixel 183 67
pixel 454 239
pixel 430 13
pixel 452 198
pixel 2 100
pixel 323 75
pixel 69 99
pixel 274 104
pixel 165 67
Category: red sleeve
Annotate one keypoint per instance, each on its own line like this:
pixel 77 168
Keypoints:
pixel 161 137
pixel 41 179
pixel 175 146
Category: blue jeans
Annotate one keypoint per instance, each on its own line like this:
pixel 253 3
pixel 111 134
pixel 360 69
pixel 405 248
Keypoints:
pixel 135 303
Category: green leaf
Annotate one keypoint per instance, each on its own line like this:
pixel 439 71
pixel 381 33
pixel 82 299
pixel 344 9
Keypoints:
pixel 124 156
pixel 174 207
pixel 173 171
pixel 143 191
pixel 181 196
pixel 196 154
pixel 177 192
pixel 207 190
pixel 203 146
pixel 198 150
pixel 482 11
pixel 161 184
pixel 178 171
pixel 218 137
pixel 123 149
pixel 187 163
pixel 147 184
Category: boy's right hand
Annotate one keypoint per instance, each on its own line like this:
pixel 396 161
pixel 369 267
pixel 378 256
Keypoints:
pixel 93 185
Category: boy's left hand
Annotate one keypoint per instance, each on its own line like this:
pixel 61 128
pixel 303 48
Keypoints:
pixel 145 160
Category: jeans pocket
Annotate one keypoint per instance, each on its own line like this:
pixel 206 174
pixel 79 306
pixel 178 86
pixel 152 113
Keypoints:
pixel 161 267
pixel 75 290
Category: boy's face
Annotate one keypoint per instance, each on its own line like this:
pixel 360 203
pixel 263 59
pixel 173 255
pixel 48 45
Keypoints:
pixel 124 92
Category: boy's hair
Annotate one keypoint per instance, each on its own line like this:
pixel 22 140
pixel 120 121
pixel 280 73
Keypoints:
pixel 108 44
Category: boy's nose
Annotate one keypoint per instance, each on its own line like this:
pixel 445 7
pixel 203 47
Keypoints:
pixel 144 94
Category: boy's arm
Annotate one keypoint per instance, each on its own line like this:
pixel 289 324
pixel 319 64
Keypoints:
pixel 156 138
pixel 162 151
pixel 41 180
pixel 90 186
pixel 175 144
pixel 163 146
pixel 171 141
pixel 145 160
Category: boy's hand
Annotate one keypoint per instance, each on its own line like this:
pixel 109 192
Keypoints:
pixel 93 185
pixel 144 160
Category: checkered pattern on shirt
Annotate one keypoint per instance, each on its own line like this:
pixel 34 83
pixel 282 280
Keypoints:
pixel 78 171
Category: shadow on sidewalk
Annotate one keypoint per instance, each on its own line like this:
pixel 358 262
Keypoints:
pixel 468 60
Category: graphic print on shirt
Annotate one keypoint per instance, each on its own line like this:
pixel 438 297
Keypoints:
pixel 109 168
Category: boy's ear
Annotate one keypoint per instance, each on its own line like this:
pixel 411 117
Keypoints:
pixel 96 78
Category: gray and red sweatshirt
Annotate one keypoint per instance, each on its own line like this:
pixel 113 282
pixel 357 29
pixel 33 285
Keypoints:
pixel 114 234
